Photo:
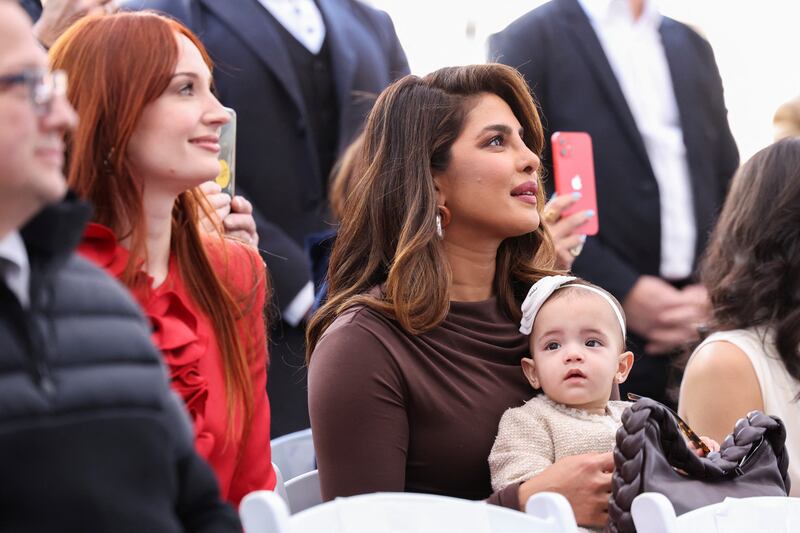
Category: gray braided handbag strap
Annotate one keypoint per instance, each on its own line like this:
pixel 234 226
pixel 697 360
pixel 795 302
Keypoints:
pixel 629 453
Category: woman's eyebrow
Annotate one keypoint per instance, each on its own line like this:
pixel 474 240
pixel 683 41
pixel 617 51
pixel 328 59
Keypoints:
pixel 501 128
pixel 188 74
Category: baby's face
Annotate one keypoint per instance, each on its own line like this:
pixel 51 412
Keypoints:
pixel 577 349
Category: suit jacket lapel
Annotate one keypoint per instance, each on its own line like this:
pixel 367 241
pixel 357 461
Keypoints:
pixel 577 25
pixel 247 21
pixel 339 28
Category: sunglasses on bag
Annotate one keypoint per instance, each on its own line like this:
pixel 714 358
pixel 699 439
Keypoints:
pixel 683 426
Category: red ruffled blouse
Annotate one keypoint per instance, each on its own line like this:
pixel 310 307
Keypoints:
pixel 186 337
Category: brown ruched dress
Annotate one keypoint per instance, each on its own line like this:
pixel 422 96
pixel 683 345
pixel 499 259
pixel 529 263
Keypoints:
pixel 397 412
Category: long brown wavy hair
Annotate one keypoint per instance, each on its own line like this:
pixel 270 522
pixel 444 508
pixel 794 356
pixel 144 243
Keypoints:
pixel 752 265
pixel 388 234
pixel 117 65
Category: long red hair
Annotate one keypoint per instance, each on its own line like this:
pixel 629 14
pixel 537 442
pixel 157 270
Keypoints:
pixel 117 65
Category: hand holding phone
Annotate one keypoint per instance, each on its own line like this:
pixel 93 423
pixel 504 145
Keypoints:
pixel 573 169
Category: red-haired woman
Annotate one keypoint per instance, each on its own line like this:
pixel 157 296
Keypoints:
pixel 148 136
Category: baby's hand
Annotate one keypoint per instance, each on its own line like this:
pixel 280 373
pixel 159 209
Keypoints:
pixel 708 441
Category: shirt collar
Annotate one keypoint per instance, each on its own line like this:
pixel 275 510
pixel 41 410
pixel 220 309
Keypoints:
pixel 12 249
pixel 17 277
pixel 605 11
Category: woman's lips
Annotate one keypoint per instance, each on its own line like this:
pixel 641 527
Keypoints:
pixel 210 143
pixel 526 192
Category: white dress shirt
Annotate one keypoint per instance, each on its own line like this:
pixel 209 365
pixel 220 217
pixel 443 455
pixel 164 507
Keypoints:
pixel 636 55
pixel 302 19
pixel 15 268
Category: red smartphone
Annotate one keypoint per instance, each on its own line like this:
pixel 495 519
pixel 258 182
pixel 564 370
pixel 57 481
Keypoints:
pixel 573 169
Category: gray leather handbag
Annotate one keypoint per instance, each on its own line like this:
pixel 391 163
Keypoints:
pixel 651 455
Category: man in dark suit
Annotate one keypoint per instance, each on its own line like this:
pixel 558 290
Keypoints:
pixel 300 75
pixel 648 91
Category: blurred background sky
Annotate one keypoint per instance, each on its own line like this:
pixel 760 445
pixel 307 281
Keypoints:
pixel 757 46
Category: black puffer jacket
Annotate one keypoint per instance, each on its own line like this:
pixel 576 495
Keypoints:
pixel 91 438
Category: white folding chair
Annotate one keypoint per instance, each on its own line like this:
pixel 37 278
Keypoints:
pixel 653 513
pixel 264 512
pixel 294 453
pixel 280 488
pixel 303 492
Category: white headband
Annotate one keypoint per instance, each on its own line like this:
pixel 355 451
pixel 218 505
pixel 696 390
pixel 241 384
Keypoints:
pixel 546 286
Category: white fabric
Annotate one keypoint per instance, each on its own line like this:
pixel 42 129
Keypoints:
pixel 778 388
pixel 15 268
pixel 299 306
pixel 541 291
pixel 302 19
pixel 636 55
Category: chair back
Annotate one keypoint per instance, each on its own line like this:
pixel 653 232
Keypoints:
pixel 294 453
pixel 280 487
pixel 263 511
pixel 303 492
pixel 653 513
pixel 406 513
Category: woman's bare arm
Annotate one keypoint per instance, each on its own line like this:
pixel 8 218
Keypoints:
pixel 719 387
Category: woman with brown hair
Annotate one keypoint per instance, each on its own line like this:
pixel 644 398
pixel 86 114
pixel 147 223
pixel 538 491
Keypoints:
pixel 415 356
pixel 752 273
pixel 148 136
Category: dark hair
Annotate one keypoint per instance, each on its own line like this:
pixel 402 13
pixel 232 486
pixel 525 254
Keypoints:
pixel 388 234
pixel 752 265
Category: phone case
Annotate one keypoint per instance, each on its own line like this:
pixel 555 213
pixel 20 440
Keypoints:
pixel 227 155
pixel 573 169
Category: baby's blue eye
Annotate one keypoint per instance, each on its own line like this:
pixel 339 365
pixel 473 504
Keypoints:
pixel 552 346
pixel 594 343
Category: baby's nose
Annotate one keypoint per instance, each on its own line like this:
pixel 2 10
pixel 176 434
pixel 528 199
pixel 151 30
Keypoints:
pixel 573 355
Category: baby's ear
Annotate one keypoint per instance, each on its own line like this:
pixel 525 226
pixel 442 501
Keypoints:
pixel 529 369
pixel 624 365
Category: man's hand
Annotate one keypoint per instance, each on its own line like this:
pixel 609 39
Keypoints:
pixel 58 15
pixel 666 317
pixel 585 480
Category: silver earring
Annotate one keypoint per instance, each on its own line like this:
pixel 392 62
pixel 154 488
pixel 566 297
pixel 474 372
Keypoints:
pixel 439 230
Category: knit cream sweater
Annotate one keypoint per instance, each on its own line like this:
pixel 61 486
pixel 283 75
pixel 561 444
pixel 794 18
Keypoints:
pixel 532 437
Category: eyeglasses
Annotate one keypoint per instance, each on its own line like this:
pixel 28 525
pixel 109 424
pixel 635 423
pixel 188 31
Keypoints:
pixel 683 426
pixel 43 87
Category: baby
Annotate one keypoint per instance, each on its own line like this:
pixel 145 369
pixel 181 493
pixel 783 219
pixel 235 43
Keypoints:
pixel 577 342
